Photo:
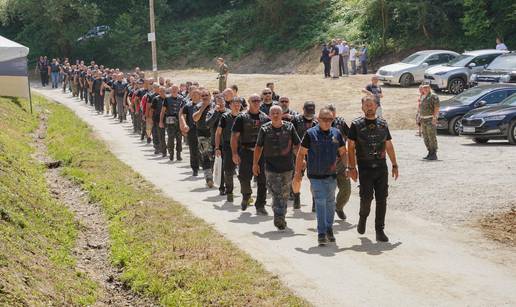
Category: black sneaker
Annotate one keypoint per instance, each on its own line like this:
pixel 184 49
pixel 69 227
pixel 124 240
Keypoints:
pixel 222 192
pixel 179 157
pixel 321 239
pixel 230 198
pixel 142 137
pixel 341 214
pixel 261 211
pixel 244 204
pixel 330 236
pixel 164 154
pixel 432 156
pixel 381 236
pixel 280 222
pixel 297 201
pixel 149 140
pixel 171 157
pixel 361 225
pixel 195 173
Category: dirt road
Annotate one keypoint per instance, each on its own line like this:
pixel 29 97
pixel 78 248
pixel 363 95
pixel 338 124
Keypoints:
pixel 429 262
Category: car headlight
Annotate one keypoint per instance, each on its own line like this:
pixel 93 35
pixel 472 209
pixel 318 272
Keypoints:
pixel 442 114
pixel 505 78
pixel 440 73
pixel 495 117
pixel 473 77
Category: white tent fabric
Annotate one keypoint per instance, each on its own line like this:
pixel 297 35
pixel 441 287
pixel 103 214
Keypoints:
pixel 11 50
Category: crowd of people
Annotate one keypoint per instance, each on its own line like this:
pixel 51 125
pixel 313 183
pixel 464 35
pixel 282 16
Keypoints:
pixel 338 56
pixel 260 138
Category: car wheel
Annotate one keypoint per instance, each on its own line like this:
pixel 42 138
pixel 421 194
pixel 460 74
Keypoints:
pixel 480 141
pixel 454 125
pixel 512 133
pixel 456 86
pixel 406 79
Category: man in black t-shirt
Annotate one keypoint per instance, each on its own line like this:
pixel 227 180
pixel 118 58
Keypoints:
pixel 158 133
pixel 243 140
pixel 169 118
pixel 204 134
pixel 189 128
pixel 96 87
pixel 369 141
pixel 277 140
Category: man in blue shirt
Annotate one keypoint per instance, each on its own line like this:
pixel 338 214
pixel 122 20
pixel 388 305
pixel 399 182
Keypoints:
pixel 322 145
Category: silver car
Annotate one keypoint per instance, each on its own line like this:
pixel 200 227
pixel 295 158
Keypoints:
pixel 412 69
pixel 454 76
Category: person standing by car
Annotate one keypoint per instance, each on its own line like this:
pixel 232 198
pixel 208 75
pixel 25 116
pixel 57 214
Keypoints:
pixel 369 141
pixel 500 45
pixel 429 110
pixel 375 91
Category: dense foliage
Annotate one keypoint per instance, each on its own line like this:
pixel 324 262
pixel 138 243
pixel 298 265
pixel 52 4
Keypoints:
pixel 188 29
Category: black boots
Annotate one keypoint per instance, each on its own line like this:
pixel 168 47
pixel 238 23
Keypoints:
pixel 330 236
pixel 280 223
pixel 297 201
pixel 361 225
pixel 432 156
pixel 381 236
pixel 179 156
pixel 341 214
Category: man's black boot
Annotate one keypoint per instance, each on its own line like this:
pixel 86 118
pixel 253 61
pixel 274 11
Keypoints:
pixel 361 225
pixel 297 201
pixel 195 173
pixel 341 214
pixel 230 197
pixel 261 211
pixel 426 157
pixel 330 236
pixel 179 157
pixel 321 239
pixel 244 203
pixel 381 236
pixel 432 156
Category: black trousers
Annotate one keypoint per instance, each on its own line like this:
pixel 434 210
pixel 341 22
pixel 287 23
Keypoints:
pixel 327 68
pixel 193 145
pixel 44 78
pixel 99 102
pixel 175 139
pixel 245 175
pixel 341 66
pixel 374 182
pixel 228 167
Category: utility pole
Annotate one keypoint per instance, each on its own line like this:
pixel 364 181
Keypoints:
pixel 152 39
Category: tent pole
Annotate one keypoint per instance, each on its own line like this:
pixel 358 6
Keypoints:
pixel 30 95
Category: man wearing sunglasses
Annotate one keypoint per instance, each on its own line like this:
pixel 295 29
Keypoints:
pixel 322 145
pixel 287 114
pixel 267 101
pixel 243 140
pixel 204 134
pixel 369 142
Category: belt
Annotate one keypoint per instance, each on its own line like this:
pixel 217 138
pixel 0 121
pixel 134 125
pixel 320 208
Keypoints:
pixel 427 117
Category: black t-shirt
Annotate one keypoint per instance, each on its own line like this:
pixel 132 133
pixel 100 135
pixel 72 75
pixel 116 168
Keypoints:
pixel 376 90
pixel 270 136
pixel 226 123
pixel 238 125
pixel 353 130
pixel 202 128
pixel 335 50
pixel 96 85
pixel 156 105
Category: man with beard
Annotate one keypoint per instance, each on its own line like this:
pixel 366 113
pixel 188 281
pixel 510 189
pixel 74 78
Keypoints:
pixel 203 135
pixel 169 118
pixel 369 143
pixel 267 101
pixel 243 140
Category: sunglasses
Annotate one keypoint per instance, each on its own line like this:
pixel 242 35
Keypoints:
pixel 325 119
pixel 283 101
pixel 267 93
pixel 256 100
pixel 205 95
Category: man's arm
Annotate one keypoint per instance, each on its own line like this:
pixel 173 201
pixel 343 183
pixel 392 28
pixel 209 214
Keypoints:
pixel 162 116
pixel 389 147
pixel 300 158
pixel 234 147
pixel 352 163
pixel 256 158
pixel 197 115
pixel 218 136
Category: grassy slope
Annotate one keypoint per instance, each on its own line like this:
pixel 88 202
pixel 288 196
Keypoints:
pixel 36 233
pixel 165 251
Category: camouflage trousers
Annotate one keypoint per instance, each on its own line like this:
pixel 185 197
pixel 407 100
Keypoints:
pixel 222 83
pixel 279 185
pixel 344 185
pixel 206 152
pixel 429 134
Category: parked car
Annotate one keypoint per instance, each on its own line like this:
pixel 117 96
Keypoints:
pixel 492 122
pixel 97 31
pixel 452 110
pixel 502 69
pixel 454 76
pixel 412 69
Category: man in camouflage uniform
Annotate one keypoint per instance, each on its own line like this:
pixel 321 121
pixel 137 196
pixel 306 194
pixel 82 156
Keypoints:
pixel 429 110
pixel 343 182
pixel 277 140
pixel 223 74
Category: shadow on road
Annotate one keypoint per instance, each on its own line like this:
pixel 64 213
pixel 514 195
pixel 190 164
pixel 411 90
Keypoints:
pixel 227 206
pixel 277 235
pixel 248 218
pixel 366 246
pixel 298 214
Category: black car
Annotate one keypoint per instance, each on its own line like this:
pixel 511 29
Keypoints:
pixel 502 69
pixel 496 122
pixel 452 110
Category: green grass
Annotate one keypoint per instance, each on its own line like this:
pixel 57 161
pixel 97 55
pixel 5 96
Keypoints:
pixel 165 252
pixel 37 234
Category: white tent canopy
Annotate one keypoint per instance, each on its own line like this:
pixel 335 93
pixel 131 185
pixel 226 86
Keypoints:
pixel 11 50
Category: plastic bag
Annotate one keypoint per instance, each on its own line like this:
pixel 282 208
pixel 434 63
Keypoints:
pixel 217 170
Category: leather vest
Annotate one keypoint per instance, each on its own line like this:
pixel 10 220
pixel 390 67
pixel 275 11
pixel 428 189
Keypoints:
pixel 370 144
pixel 173 105
pixel 302 124
pixel 278 141
pixel 251 127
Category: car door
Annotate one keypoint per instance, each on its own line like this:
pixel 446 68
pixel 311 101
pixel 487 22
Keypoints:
pixel 419 72
pixel 481 61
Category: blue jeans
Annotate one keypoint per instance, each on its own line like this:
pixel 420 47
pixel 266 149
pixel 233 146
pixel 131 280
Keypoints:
pixel 323 191
pixel 55 79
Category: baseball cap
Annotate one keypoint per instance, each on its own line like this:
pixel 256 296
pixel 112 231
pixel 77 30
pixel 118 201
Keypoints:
pixel 309 107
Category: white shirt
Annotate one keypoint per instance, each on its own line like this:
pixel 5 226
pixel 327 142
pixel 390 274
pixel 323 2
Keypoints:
pixel 501 46
pixel 341 48
pixel 352 54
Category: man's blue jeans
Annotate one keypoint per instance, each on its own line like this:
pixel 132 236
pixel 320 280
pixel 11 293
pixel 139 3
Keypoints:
pixel 55 79
pixel 323 191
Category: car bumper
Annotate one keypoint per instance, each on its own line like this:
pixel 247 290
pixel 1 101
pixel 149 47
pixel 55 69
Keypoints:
pixel 436 82
pixel 389 79
pixel 487 129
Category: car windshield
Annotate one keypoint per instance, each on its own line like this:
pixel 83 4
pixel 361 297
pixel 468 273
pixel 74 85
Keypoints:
pixel 504 63
pixel 470 95
pixel 415 58
pixel 510 101
pixel 460 61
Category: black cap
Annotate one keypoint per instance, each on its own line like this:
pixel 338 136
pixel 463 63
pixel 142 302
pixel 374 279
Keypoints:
pixel 309 107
